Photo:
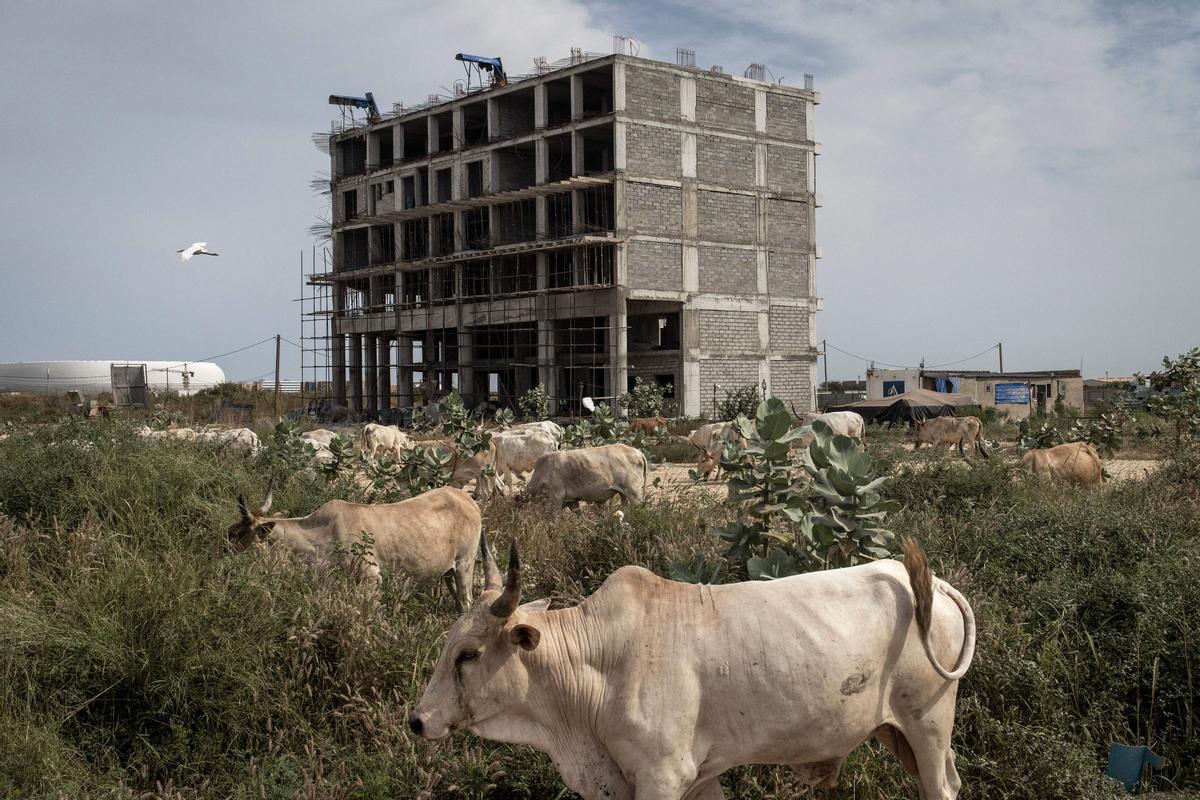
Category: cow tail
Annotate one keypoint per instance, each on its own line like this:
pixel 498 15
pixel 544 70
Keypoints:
pixel 645 474
pixel 920 576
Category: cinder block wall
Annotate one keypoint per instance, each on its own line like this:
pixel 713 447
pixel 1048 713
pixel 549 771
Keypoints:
pixel 717 205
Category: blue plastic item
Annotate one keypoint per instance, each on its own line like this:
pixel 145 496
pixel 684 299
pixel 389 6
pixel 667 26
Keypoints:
pixel 1126 764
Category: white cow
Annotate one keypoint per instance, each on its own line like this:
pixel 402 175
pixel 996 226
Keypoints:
pixel 651 689
pixel 321 436
pixel 517 451
pixel 430 536
pixel 710 440
pixel 234 441
pixel 553 428
pixel 384 440
pixel 590 474
pixel 842 423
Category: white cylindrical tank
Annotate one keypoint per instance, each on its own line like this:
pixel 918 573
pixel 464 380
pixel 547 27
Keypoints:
pixel 93 377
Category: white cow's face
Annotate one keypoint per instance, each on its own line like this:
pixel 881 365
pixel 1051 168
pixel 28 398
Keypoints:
pixel 479 675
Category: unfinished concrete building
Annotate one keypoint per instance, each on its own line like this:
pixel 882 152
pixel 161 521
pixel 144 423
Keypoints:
pixel 609 218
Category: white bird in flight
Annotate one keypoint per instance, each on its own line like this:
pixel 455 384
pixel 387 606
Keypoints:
pixel 197 249
pixel 589 404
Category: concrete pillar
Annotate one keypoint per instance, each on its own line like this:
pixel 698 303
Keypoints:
pixel 384 362
pixel 356 376
pixel 576 97
pixel 618 353
pixel 466 367
pixel 404 371
pixel 338 370
pixel 458 123
pixel 431 134
pixel 547 368
pixel 539 106
pixel 539 164
pixel 371 388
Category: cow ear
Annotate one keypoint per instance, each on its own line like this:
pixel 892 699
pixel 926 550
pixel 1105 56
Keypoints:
pixel 535 605
pixel 525 637
pixel 264 530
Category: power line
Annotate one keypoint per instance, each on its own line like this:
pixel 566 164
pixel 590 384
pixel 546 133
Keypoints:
pixel 867 360
pixel 963 360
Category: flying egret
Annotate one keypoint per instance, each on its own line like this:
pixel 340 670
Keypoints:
pixel 197 249
pixel 589 404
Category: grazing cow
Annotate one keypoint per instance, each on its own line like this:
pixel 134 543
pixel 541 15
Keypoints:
pixel 842 423
pixel 466 468
pixel 952 431
pixel 321 436
pixel 430 536
pixel 710 440
pixel 552 428
pixel 517 452
pixel 384 440
pixel 1077 462
pixel 591 474
pixel 651 689
pixel 648 426
pixel 235 441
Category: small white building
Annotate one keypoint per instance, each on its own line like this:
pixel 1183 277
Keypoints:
pixel 1019 394
pixel 94 377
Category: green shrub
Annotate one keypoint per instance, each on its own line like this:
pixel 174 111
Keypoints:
pixel 645 400
pixel 534 405
pixel 741 402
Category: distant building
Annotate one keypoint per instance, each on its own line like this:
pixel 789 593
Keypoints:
pixel 1018 393
pixel 94 377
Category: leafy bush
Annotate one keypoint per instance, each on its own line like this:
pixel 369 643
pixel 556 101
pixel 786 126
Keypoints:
pixel 790 521
pixel 741 402
pixel 534 405
pixel 646 399
pixel 1178 393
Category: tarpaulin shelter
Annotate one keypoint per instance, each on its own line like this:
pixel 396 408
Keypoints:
pixel 912 406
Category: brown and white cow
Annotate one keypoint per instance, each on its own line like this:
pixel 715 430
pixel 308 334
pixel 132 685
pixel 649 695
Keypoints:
pixel 842 423
pixel 951 431
pixel 430 536
pixel 1077 462
pixel 590 474
pixel 651 689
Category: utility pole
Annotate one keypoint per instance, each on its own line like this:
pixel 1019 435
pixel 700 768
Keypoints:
pixel 1000 347
pixel 277 339
pixel 825 354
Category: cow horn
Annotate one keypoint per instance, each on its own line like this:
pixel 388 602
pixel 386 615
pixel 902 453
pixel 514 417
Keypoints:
pixel 242 507
pixel 507 603
pixel 266 506
pixel 491 573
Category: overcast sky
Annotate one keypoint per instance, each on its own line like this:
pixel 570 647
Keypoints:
pixel 1017 172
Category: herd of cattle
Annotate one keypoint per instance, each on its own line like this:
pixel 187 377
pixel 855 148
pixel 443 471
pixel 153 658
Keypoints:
pixel 651 688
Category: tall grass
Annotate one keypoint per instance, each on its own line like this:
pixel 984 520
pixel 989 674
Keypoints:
pixel 139 658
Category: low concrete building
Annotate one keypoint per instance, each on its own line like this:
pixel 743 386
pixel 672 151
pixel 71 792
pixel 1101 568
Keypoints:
pixel 1020 394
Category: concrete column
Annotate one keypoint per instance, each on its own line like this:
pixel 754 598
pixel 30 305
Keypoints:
pixel 397 148
pixel 384 362
pixel 466 367
pixel 431 134
pixel 539 155
pixel 404 371
pixel 689 340
pixel 618 353
pixel 371 388
pixel 547 369
pixel 539 106
pixel 493 119
pixel 576 153
pixel 338 369
pixel 356 376
pixel 577 97
pixel 459 127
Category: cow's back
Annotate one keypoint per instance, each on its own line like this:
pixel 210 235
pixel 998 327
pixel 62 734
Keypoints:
pixel 423 536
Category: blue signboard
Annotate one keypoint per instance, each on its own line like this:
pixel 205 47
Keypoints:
pixel 893 388
pixel 1014 393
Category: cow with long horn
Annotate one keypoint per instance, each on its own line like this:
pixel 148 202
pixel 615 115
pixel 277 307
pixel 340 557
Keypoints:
pixel 430 536
pixel 652 688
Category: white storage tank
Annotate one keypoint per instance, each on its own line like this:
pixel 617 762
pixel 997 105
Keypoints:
pixel 93 377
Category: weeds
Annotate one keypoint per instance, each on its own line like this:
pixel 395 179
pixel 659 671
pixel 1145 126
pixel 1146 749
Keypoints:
pixel 140 659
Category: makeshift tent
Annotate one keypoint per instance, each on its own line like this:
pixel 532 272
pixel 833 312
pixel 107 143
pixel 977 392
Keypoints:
pixel 914 406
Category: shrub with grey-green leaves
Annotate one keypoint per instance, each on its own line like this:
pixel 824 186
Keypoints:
pixel 741 402
pixel 534 405
pixel 825 512
pixel 644 400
